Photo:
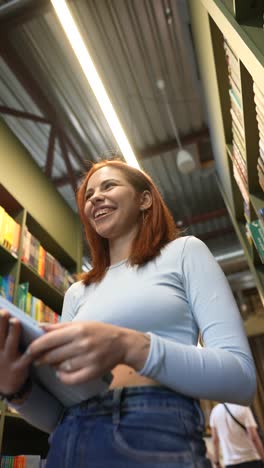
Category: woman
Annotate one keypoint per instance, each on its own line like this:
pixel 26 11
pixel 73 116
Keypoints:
pixel 137 313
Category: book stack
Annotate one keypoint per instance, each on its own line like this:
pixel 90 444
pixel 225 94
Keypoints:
pixel 238 132
pixel 34 306
pixel 44 263
pixel 9 232
pixel 259 102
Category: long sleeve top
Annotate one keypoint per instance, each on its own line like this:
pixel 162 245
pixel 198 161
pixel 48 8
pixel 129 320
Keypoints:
pixel 175 298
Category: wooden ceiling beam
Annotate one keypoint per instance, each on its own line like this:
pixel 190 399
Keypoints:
pixel 172 145
pixel 154 150
pixel 67 161
pixel 203 217
pixel 23 115
pixel 29 83
pixel 50 152
pixel 31 86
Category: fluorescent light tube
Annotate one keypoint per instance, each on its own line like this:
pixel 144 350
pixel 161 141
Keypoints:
pixel 66 19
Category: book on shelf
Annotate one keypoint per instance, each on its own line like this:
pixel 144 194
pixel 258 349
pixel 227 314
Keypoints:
pixel 260 126
pixel 257 235
pixel 22 295
pixel 261 180
pixel 21 461
pixel 44 263
pixel 240 161
pixel 68 395
pixel 246 211
pixel 26 246
pixel 257 88
pixel 235 86
pixel 239 139
pixel 260 164
pixel 261 147
pixel 258 93
pixel 260 176
pixel 239 126
pixel 237 167
pixel 7 285
pixel 236 107
pixel 233 63
pixel 34 252
pixel 259 108
pixel 229 50
pixel 235 77
pixel 236 99
pixel 34 306
pixel 9 232
pixel 240 183
pixel 261 133
pixel 261 217
pixel 41 261
pixel 261 154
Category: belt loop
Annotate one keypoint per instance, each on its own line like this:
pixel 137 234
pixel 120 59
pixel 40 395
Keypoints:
pixel 117 396
pixel 200 413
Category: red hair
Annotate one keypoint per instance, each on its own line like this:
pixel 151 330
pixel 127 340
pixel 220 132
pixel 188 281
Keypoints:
pixel 157 229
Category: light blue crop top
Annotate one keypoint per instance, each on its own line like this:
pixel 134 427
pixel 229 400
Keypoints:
pixel 173 298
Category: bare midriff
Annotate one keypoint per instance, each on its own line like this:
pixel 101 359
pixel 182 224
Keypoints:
pixel 125 376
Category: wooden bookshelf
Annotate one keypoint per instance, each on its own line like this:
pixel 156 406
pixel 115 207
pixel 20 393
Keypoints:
pixel 232 34
pixel 16 436
pixel 32 201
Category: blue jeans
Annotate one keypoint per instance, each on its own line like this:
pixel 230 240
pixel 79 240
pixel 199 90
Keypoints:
pixel 130 427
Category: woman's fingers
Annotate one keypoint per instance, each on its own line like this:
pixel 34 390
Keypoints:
pixel 73 363
pixel 80 376
pixel 54 326
pixel 4 318
pixel 12 339
pixel 56 356
pixel 55 338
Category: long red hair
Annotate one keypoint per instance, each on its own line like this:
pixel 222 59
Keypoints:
pixel 156 230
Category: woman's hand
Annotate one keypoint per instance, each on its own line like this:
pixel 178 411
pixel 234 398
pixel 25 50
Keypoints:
pixel 14 366
pixel 82 351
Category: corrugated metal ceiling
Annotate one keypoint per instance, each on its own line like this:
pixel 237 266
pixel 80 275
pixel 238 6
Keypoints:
pixel 137 45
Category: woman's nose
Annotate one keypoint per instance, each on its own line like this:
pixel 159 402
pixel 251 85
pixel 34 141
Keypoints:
pixel 95 197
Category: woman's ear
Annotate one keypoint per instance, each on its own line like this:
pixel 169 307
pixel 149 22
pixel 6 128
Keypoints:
pixel 145 200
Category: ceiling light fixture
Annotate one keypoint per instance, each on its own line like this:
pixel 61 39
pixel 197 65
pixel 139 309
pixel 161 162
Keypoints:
pixel 185 160
pixel 66 19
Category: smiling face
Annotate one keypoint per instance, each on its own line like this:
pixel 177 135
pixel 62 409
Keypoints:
pixel 113 207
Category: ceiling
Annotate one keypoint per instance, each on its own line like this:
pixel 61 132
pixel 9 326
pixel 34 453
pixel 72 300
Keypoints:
pixel 144 54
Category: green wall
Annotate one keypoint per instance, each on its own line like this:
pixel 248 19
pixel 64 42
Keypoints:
pixel 23 178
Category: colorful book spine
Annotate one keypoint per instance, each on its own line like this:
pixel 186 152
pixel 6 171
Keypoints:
pixel 7 284
pixel 22 295
pixel 9 232
pixel 257 235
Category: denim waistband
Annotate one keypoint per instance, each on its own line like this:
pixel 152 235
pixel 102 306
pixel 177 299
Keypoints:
pixel 133 398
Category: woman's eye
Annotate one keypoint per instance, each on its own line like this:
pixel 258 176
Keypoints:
pixel 109 185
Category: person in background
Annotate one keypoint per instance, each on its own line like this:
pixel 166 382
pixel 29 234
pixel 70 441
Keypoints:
pixel 137 313
pixel 235 430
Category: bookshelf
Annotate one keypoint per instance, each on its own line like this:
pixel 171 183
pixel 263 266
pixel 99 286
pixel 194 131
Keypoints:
pixel 30 199
pixel 229 42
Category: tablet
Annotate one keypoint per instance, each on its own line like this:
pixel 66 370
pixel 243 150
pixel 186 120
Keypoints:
pixel 45 375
